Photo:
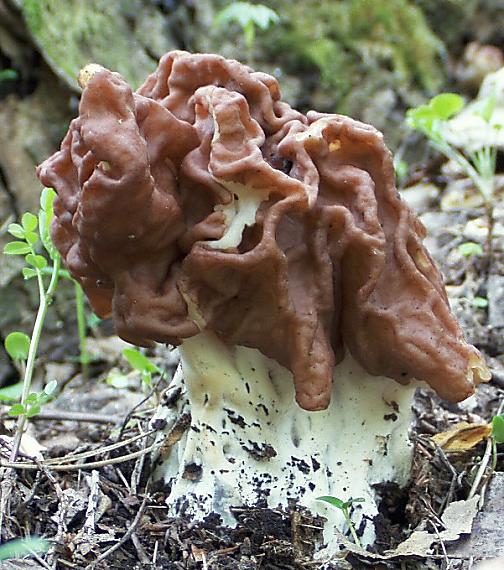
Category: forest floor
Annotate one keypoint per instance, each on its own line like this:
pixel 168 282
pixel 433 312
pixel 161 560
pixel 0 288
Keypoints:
pixel 93 499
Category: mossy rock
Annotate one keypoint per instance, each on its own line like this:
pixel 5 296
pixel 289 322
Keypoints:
pixel 362 46
pixel 127 37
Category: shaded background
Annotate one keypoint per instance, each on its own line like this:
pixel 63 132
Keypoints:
pixel 367 58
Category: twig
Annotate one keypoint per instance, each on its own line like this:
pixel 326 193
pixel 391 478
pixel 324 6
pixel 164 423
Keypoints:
pixel 124 539
pixel 129 415
pixel 79 466
pixel 61 415
pixel 98 451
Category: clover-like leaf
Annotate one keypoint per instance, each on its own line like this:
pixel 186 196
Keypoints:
pixel 28 273
pixel 16 230
pixel 17 345
pixel 17 410
pixel 11 393
pixel 29 222
pixel 16 248
pixel 50 387
pixel 33 411
pixel 31 238
pixel 37 261
pixel 445 105
pixel 32 398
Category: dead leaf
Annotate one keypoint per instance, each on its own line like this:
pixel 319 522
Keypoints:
pixel 462 437
pixel 457 519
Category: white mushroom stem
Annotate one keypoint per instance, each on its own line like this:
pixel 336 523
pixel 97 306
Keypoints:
pixel 250 444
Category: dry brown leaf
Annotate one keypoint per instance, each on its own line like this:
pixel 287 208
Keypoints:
pixel 462 436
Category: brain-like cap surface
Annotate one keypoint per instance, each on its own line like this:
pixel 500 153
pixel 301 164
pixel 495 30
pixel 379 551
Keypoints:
pixel 204 202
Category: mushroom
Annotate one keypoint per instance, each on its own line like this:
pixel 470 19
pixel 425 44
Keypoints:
pixel 273 248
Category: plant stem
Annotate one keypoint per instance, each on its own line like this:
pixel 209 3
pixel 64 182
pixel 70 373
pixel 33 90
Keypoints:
pixel 45 299
pixel 81 327
pixel 352 528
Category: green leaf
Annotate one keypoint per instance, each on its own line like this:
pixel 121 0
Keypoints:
pixel 29 221
pixel 45 218
pixel 16 230
pixel 16 248
pixel 351 500
pixel 31 238
pixel 139 361
pixel 22 547
pixel 485 107
pixel 11 393
pixel 33 411
pixel 47 197
pixel 334 501
pixel 245 14
pixel 32 398
pixel 480 302
pixel 17 345
pixel 498 428
pixel 50 387
pixel 28 273
pixel 8 75
pixel 38 261
pixel 93 320
pixel 147 379
pixel 401 168
pixel 446 105
pixel 16 410
pixel 470 248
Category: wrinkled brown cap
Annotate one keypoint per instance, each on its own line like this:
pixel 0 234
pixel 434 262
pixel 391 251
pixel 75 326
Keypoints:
pixel 202 201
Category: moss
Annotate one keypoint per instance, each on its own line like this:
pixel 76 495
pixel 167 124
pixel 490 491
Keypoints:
pixel 71 33
pixel 353 42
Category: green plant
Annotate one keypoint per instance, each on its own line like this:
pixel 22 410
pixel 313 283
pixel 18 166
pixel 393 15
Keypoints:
pixel 19 346
pixel 23 547
pixel 140 362
pixel 34 401
pixel 37 264
pixel 497 436
pixel 8 75
pixel 470 248
pixel 479 165
pixel 249 17
pixel 344 507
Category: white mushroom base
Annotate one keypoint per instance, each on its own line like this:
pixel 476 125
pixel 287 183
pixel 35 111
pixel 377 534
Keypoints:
pixel 248 443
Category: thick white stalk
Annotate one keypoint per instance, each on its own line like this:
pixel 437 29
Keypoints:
pixel 250 444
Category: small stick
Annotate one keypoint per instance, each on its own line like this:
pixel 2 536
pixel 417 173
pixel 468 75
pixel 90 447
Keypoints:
pixel 62 415
pixel 79 466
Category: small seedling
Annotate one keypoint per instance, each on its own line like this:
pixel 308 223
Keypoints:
pixel 480 164
pixel 140 362
pixel 344 507
pixel 23 547
pixel 470 248
pixel 497 435
pixel 248 16
pixel 480 302
pixel 17 344
pixel 34 402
